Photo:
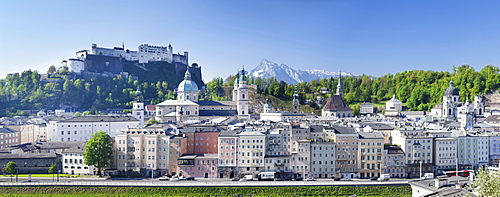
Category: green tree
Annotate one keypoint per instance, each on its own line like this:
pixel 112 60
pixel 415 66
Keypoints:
pixel 356 109
pixel 52 69
pixel 52 170
pixel 98 151
pixel 152 121
pixel 488 183
pixel 11 168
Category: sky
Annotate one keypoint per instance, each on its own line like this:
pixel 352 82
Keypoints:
pixel 362 37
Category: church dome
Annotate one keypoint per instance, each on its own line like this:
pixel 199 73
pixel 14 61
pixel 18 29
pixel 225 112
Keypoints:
pixel 451 90
pixel 187 85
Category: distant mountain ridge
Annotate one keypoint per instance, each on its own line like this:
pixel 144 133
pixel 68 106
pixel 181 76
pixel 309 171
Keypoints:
pixel 282 72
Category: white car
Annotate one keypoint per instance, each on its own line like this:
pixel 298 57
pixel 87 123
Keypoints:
pixel 174 179
pixel 243 179
pixel 310 179
pixel 163 178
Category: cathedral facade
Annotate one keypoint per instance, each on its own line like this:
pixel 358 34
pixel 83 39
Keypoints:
pixel 188 107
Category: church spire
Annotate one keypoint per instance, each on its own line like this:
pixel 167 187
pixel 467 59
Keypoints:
pixel 340 89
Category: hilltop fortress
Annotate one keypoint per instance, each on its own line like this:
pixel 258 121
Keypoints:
pixel 101 61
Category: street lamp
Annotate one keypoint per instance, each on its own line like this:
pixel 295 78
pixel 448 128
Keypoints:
pixel 420 169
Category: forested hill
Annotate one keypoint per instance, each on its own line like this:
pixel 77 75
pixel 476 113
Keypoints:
pixel 419 90
pixel 21 92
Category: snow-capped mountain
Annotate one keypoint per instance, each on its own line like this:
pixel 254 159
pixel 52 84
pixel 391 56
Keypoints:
pixel 282 72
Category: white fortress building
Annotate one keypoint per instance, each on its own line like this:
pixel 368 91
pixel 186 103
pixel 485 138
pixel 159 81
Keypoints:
pixel 145 54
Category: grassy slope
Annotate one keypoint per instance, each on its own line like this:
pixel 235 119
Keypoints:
pixel 208 191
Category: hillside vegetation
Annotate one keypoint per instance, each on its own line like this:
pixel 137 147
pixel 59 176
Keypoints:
pixel 419 90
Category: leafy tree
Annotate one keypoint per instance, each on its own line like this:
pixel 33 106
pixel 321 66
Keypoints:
pixel 52 170
pixel 488 183
pixel 11 168
pixel 152 121
pixel 52 69
pixel 98 151
pixel 356 109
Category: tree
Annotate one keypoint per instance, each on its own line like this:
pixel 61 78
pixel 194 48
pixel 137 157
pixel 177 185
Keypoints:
pixel 11 168
pixel 52 69
pixel 52 170
pixel 488 183
pixel 98 151
pixel 152 121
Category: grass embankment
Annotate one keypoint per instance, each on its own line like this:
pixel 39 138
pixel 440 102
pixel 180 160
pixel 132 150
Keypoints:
pixel 47 175
pixel 208 191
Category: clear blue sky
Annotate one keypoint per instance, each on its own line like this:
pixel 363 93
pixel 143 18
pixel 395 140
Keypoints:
pixel 361 37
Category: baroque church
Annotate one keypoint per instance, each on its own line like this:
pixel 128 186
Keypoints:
pixel 453 108
pixel 188 107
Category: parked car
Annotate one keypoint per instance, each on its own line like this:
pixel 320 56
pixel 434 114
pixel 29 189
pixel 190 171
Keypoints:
pixel 299 179
pixel 189 178
pixel 163 178
pixel 373 178
pixel 174 179
pixel 243 179
pixel 235 179
pixel 346 179
pixel 384 177
pixel 336 179
pixel 310 179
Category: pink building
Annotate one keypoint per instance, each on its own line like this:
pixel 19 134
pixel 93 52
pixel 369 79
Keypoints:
pixel 205 142
pixel 201 166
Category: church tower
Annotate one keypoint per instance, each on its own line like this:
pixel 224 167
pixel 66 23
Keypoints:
pixel 236 86
pixel 242 94
pixel 138 107
pixel 478 105
pixel 467 116
pixel 340 88
pixel 267 107
pixel 296 101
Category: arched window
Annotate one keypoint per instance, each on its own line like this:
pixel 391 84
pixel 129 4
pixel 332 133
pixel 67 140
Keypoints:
pixel 243 96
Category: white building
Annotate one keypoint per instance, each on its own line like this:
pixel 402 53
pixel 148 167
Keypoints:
pixel 366 108
pixel 393 107
pixel 323 159
pixel 252 151
pixel 445 154
pixel 73 162
pixel 81 128
pixel 301 159
pixel 418 149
